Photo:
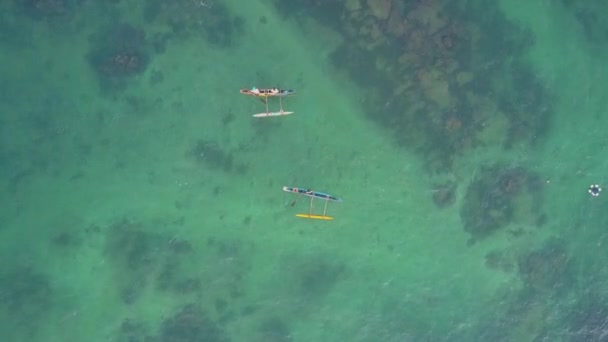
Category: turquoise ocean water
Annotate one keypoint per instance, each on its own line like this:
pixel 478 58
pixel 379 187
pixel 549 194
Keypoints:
pixel 141 201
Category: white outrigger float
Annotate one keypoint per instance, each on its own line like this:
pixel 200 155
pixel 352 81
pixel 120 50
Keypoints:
pixel 264 94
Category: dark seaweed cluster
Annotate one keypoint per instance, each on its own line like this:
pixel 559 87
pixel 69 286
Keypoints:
pixel 191 324
pixel 527 106
pixel 134 244
pixel 444 194
pixel 71 234
pixel 498 60
pixel 326 11
pixel 25 295
pixel 312 276
pixel 195 18
pixel 428 78
pixel 230 259
pixel 134 331
pixel 490 198
pixel 538 309
pixel 318 278
pixel 48 9
pixel 161 261
pixel 214 156
pixel 519 317
pixel 546 268
pixel 142 257
pixel 169 278
pixel 120 51
pixel 500 261
pixel 135 252
pixel 446 136
pixel 589 15
pixel 274 330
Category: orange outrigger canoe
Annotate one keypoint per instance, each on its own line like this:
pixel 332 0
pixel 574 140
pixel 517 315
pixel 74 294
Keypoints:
pixel 263 94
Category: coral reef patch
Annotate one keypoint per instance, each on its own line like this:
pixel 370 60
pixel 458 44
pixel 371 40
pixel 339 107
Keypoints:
pixel 142 258
pixel 27 297
pixel 48 9
pixel 589 15
pixel 212 155
pixel 500 261
pixel 191 19
pixel 547 268
pixel 274 329
pixel 191 323
pixel 209 280
pixel 119 52
pixel 442 80
pixel 499 196
pixel 444 194
pixel 188 324
pixel 312 276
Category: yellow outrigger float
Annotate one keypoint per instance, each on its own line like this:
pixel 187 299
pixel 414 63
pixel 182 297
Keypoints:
pixel 313 194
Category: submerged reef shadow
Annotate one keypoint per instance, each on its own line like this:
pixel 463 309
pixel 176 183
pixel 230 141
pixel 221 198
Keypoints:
pixel 325 11
pixel 27 297
pixel 312 276
pixel 444 194
pixel 433 73
pixel 119 53
pixel 273 329
pixel 187 324
pixel 49 9
pixel 499 196
pixel 190 19
pixel 191 323
pixel 209 279
pixel 548 268
pixel 142 256
pixel 212 155
pixel 589 14
pixel 519 316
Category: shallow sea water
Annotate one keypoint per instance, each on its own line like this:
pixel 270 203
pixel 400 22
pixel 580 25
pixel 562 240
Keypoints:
pixel 143 202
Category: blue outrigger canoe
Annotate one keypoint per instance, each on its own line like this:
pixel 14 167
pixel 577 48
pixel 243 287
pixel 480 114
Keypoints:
pixel 313 194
